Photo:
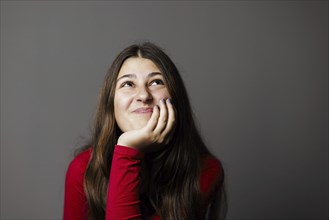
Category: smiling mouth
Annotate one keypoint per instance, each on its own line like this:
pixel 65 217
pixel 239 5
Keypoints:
pixel 143 110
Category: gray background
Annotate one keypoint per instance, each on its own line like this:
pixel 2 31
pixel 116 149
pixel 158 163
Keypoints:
pixel 256 72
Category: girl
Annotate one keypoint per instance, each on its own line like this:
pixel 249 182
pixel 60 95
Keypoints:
pixel 146 159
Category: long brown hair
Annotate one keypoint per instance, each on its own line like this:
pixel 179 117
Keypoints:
pixel 170 177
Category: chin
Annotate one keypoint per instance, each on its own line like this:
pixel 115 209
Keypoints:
pixel 139 123
pixel 139 126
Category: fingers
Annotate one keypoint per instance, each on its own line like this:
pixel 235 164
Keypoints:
pixel 152 123
pixel 162 122
pixel 171 118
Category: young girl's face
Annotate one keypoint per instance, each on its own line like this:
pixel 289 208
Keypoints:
pixel 140 86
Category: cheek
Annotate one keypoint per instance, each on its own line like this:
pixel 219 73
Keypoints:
pixel 161 95
pixel 121 109
pixel 121 104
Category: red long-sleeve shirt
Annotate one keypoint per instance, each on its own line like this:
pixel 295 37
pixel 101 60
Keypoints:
pixel 123 193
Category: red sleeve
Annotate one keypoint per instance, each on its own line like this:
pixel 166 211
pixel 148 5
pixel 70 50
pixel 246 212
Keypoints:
pixel 211 178
pixel 75 203
pixel 123 189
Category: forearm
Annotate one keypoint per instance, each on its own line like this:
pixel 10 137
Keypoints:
pixel 123 188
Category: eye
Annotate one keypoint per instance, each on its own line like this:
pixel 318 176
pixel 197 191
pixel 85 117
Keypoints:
pixel 157 82
pixel 127 84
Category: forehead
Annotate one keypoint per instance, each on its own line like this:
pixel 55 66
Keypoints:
pixel 138 66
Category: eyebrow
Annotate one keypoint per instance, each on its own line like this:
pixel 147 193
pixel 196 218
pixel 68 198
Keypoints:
pixel 134 75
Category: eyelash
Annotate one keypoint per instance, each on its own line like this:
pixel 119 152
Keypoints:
pixel 125 83
pixel 158 81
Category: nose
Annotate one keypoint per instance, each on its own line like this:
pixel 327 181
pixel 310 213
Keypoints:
pixel 143 95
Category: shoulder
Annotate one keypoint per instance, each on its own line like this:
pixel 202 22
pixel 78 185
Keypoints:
pixel 74 196
pixel 210 163
pixel 212 175
pixel 78 165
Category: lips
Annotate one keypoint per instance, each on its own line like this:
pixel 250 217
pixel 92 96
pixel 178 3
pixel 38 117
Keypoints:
pixel 143 110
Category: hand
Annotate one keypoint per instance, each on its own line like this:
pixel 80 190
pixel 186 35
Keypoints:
pixel 156 132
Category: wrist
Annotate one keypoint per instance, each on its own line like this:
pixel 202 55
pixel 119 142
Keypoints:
pixel 128 152
pixel 124 143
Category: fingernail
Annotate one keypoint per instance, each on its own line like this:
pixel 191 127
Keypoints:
pixel 170 100
pixel 163 100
